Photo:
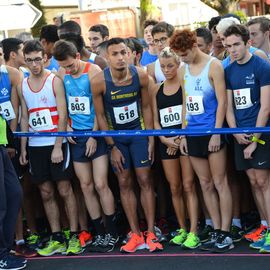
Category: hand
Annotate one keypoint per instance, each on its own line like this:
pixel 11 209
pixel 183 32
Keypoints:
pixel 91 146
pixel 70 139
pixel 171 151
pixel 23 160
pixel 183 146
pixel 11 152
pixel 249 150
pixel 172 142
pixel 57 155
pixel 151 149
pixel 117 159
pixel 242 138
pixel 214 143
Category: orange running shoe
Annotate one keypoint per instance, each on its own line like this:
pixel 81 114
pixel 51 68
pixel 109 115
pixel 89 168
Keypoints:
pixel 85 238
pixel 152 242
pixel 135 242
pixel 256 235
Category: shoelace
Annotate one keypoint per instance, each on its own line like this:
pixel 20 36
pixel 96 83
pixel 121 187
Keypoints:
pixel 98 240
pixel 73 242
pixel 32 238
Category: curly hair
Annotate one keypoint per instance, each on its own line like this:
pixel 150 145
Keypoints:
pixel 183 40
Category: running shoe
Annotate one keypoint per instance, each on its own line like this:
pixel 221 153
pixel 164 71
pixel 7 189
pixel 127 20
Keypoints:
pixel 109 242
pixel 256 235
pixel 223 243
pixel 152 243
pixel 25 251
pixel 266 246
pixel 85 238
pixel 179 238
pixel 66 233
pixel 135 242
pixel 192 241
pixel 9 262
pixel 258 244
pixel 33 241
pixel 161 237
pixel 236 233
pixel 163 226
pixel 204 234
pixel 210 244
pixel 74 246
pixel 96 245
pixel 128 236
pixel 52 247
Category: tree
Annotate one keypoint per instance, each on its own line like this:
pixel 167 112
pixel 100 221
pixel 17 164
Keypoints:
pixel 222 6
pixel 148 11
pixel 41 22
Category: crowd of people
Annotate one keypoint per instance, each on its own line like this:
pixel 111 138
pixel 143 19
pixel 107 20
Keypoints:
pixel 100 193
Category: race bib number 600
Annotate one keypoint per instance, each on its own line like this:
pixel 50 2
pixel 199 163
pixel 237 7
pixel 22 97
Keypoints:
pixel 125 114
pixel 194 105
pixel 7 111
pixel 171 116
pixel 41 120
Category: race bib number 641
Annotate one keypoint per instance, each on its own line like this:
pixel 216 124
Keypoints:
pixel 41 120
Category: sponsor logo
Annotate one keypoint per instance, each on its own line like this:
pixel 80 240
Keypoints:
pixel 115 92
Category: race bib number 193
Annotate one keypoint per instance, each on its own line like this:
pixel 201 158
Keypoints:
pixel 194 105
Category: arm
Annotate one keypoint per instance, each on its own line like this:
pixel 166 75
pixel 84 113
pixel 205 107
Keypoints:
pixel 57 154
pixel 24 126
pixel 15 79
pixel 98 89
pixel 151 70
pixel 100 62
pixel 216 74
pixel 261 54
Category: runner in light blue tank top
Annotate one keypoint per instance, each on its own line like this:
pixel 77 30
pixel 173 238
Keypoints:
pixel 201 101
pixel 79 100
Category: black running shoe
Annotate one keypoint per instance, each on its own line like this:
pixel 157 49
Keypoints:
pixel 204 234
pixel 210 244
pixel 236 233
pixel 224 243
pixel 109 243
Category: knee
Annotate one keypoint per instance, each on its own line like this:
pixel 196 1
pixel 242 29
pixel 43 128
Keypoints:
pixel 176 190
pixel 145 181
pixel 207 184
pixel 263 183
pixel 189 186
pixel 47 194
pixel 220 182
pixel 100 186
pixel 87 187
pixel 65 191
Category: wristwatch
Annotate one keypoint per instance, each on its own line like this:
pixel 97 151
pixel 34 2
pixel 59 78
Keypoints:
pixel 111 146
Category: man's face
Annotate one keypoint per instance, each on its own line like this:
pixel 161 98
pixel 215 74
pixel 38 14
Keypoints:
pixel 35 62
pixel 95 39
pixel 216 39
pixel 236 47
pixel 222 39
pixel 186 56
pixel 71 65
pixel 161 40
pixel 117 56
pixel 147 35
pixel 1 56
pixel 203 46
pixel 131 56
pixel 20 57
pixel 257 37
pixel 48 46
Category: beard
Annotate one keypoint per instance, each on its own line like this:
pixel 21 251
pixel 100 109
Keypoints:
pixel 121 69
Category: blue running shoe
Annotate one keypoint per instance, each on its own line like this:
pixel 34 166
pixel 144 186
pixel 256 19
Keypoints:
pixel 266 247
pixel 258 244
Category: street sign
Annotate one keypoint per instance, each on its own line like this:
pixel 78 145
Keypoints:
pixel 18 16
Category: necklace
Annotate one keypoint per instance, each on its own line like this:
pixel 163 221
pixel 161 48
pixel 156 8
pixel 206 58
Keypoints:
pixel 119 81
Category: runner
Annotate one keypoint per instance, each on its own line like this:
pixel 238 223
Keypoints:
pixel 97 34
pixel 248 106
pixel 202 78
pixel 121 101
pixel 167 110
pixel 89 154
pixel 43 105
pixel 204 39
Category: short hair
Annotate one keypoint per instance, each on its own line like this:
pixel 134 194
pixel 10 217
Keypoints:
pixel 33 46
pixel 103 45
pixel 263 21
pixel 134 44
pixel 163 27
pixel 183 40
pixel 213 22
pixel 101 28
pixel 149 22
pixel 115 41
pixel 205 34
pixel 71 27
pixel 10 45
pixel 167 52
pixel 225 23
pixel 63 49
pixel 238 30
pixel 49 33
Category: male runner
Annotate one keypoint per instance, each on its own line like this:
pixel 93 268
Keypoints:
pixel 97 34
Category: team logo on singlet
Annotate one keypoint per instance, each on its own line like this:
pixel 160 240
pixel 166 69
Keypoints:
pixel 4 91
pixel 250 79
pixel 44 99
pixel 198 86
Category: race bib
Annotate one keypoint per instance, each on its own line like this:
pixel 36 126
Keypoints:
pixel 125 114
pixel 7 111
pixel 41 120
pixel 78 105
pixel 242 98
pixel 171 116
pixel 194 105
